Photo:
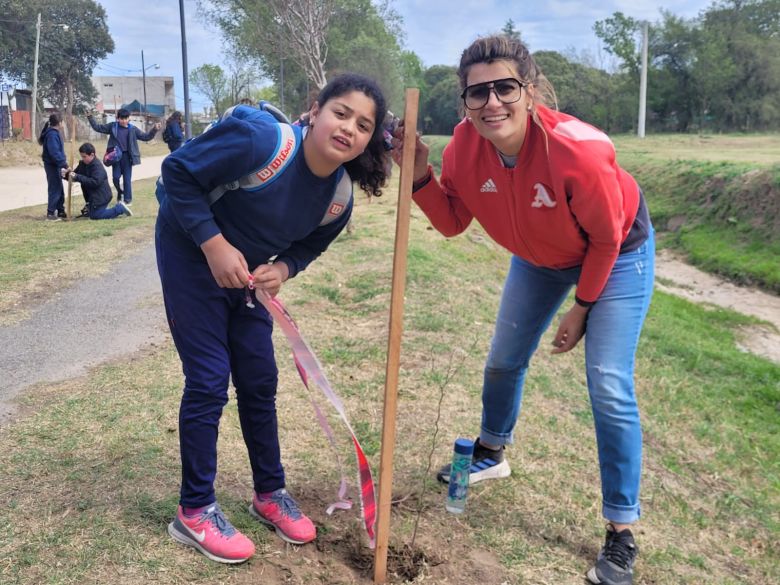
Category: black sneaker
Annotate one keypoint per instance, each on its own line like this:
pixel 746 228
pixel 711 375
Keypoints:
pixel 52 217
pixel 85 211
pixel 615 563
pixel 485 464
pixel 62 215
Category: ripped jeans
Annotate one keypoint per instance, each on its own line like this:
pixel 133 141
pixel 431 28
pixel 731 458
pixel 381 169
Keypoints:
pixel 530 300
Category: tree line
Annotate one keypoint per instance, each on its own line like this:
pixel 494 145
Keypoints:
pixel 719 71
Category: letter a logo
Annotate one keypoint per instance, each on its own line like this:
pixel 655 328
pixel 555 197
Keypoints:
pixel 542 197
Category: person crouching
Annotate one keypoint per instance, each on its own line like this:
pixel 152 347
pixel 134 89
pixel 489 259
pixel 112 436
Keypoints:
pixel 94 185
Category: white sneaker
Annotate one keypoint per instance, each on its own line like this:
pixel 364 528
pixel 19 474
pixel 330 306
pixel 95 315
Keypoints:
pixel 125 207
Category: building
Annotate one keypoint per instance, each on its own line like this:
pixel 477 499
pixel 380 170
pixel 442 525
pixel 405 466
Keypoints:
pixel 118 92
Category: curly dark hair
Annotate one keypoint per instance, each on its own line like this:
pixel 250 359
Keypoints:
pixel 368 169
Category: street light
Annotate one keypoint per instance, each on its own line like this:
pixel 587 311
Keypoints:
pixel 35 73
pixel 143 70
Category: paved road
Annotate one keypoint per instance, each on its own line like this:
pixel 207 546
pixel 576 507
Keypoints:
pixel 81 319
pixel 85 320
pixel 25 186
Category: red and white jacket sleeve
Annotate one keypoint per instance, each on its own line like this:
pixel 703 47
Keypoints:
pixel 440 201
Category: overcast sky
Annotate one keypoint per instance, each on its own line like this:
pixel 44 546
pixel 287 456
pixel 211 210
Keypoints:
pixel 437 30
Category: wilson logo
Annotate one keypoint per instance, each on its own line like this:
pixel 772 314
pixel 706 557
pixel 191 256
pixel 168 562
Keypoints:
pixel 542 197
pixel 336 209
pixel 267 173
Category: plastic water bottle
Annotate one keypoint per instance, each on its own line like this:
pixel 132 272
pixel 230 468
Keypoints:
pixel 459 475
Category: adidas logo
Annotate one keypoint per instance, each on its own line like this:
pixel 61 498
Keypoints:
pixel 488 187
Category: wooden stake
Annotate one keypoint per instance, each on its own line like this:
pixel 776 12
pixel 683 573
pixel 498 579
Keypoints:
pixel 72 166
pixel 394 336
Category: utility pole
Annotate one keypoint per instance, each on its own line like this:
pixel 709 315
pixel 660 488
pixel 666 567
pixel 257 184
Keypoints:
pixel 643 83
pixel 143 69
pixel 35 80
pixel 187 117
pixel 281 84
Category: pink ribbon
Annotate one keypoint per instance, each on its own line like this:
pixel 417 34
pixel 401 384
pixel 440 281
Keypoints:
pixel 309 368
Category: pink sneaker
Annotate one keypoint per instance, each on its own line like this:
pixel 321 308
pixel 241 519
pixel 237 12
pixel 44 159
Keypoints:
pixel 212 534
pixel 281 513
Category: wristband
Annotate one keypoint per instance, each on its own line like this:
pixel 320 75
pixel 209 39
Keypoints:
pixel 417 185
pixel 581 303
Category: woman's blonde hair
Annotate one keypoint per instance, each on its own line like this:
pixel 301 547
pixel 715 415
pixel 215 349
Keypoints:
pixel 507 48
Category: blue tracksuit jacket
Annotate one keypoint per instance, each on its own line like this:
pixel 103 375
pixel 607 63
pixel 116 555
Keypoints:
pixel 53 149
pixel 281 219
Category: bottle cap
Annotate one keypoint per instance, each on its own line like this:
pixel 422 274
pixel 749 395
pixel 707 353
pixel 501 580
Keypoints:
pixel 464 446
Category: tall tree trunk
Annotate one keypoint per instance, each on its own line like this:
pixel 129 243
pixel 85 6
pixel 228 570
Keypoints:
pixel 69 108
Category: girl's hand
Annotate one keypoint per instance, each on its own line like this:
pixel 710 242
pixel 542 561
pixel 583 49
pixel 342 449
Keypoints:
pixel 270 277
pixel 227 264
pixel 571 329
pixel 421 151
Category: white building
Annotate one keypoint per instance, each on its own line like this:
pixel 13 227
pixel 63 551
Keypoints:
pixel 115 92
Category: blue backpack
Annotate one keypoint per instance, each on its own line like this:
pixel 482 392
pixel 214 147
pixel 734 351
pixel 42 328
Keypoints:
pixel 286 148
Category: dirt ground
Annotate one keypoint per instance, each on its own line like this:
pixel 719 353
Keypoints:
pixel 676 277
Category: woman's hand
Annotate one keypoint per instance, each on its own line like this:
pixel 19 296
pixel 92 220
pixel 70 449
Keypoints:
pixel 421 151
pixel 227 264
pixel 571 329
pixel 270 277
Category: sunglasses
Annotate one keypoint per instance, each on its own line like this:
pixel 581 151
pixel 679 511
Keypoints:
pixel 508 91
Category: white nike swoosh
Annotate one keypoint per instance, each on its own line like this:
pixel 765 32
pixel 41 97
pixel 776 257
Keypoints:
pixel 199 536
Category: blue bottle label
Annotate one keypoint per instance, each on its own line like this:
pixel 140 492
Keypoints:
pixel 459 477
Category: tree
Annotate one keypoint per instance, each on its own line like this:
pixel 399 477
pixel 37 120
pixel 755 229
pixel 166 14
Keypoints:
pixel 362 41
pixel 671 84
pixel 272 30
pixel 510 30
pixel 361 35
pixel 210 80
pixel 67 57
pixel 240 82
pixel 412 69
pixel 441 106
pixel 738 64
pixel 618 32
pixel 304 25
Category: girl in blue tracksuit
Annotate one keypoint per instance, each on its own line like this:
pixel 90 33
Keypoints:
pixel 206 256
pixel 173 135
pixel 53 156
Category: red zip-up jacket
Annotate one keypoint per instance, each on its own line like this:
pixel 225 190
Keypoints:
pixel 566 202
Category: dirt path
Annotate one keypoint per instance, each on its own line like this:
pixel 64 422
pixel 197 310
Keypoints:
pixel 676 277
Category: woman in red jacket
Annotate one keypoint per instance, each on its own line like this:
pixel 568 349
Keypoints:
pixel 547 187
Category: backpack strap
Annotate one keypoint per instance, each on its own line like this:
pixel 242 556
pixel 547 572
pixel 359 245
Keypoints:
pixel 287 144
pixel 341 197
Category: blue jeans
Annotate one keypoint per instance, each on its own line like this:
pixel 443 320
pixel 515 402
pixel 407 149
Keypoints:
pixel 105 212
pixel 530 300
pixel 56 200
pixel 123 168
pixel 218 336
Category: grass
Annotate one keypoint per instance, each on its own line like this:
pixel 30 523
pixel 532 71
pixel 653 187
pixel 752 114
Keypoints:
pixel 35 252
pixel 90 470
pixel 24 153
